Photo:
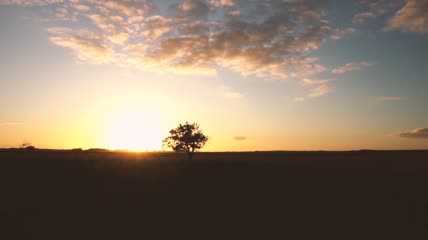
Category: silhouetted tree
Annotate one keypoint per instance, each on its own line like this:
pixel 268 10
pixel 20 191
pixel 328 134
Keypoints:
pixel 186 138
pixel 27 146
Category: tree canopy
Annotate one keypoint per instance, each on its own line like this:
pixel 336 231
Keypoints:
pixel 186 138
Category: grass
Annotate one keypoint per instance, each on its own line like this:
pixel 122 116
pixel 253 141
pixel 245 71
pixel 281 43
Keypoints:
pixel 251 195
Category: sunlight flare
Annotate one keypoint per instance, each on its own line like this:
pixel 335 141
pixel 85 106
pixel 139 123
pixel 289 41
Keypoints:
pixel 134 131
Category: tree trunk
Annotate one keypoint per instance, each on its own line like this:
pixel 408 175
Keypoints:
pixel 190 155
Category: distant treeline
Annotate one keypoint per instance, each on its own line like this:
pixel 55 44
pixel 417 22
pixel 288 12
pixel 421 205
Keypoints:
pixel 32 148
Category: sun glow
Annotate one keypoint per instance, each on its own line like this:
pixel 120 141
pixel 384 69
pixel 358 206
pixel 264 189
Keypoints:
pixel 134 131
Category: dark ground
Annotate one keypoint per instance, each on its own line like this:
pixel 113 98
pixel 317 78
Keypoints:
pixel 261 195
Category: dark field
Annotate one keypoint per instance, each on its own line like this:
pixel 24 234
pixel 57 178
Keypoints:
pixel 261 195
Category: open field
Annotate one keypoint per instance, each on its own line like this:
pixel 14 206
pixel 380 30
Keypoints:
pixel 259 195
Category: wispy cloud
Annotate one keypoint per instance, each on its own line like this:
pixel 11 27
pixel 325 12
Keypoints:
pixel 374 9
pixel 311 81
pixel 88 46
pixel 341 33
pixel 223 3
pixel 418 133
pixel 362 17
pixel 240 138
pixel 231 93
pixel 389 98
pixel 316 88
pixel 322 90
pixel 412 17
pixel 409 16
pixel 352 67
pixel 29 2
pixel 82 7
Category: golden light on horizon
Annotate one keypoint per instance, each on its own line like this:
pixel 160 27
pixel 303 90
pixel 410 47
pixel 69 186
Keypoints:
pixel 134 131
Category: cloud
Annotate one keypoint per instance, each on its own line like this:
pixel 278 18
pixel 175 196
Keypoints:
pixel 265 48
pixel 118 38
pixel 362 17
pixel 341 33
pixel 223 3
pixel 389 98
pixel 268 38
pixel 155 26
pixel 62 14
pixel 380 7
pixel 82 7
pixel 322 90
pixel 127 8
pixel 29 2
pixel 418 133
pixel 374 9
pixel 310 82
pixel 412 17
pixel 88 46
pixel 353 67
pixel 234 13
pixel 190 9
pixel 136 49
pixel 271 39
pixel 230 93
pixel 318 88
pixel 103 22
pixel 409 16
pixel 240 138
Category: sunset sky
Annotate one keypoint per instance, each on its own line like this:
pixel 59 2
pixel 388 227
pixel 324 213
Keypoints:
pixel 255 74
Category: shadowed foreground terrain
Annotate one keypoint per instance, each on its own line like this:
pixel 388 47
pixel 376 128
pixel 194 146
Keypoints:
pixel 260 195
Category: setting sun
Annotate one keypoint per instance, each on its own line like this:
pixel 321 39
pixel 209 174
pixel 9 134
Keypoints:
pixel 135 131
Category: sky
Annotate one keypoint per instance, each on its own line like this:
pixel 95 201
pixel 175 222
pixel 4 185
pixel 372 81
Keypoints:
pixel 255 74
